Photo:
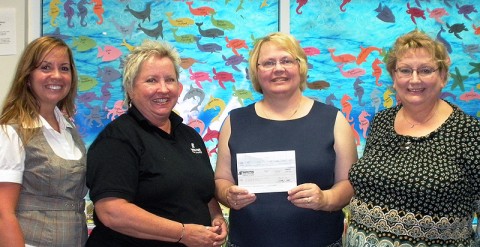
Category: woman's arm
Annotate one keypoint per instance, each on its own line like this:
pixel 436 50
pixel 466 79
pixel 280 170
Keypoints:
pixel 309 195
pixel 223 173
pixel 12 157
pixel 10 232
pixel 219 225
pixel 129 219
pixel 226 191
pixel 346 154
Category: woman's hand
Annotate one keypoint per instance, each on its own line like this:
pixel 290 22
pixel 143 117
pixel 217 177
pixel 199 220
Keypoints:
pixel 308 195
pixel 203 236
pixel 238 197
pixel 220 227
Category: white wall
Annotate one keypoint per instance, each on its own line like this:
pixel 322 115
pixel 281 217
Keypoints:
pixel 8 63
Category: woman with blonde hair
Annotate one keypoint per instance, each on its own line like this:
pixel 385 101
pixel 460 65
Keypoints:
pixel 149 175
pixel 314 136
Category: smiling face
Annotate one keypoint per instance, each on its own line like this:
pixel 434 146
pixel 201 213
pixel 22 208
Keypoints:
pixel 51 80
pixel 278 80
pixel 416 90
pixel 155 89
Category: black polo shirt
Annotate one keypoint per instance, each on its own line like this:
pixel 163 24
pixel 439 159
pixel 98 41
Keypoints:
pixel 169 175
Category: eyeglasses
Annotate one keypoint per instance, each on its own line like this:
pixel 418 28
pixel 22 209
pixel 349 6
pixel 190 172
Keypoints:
pixel 285 63
pixel 421 72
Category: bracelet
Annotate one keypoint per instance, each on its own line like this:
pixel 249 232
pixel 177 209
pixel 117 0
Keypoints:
pixel 183 232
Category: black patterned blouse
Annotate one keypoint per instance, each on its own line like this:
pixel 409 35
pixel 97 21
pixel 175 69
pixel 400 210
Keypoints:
pixel 416 191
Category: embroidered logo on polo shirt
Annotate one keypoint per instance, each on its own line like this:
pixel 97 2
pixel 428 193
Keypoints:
pixel 195 150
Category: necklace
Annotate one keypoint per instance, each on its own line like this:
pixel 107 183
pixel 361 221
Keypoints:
pixel 290 117
pixel 424 122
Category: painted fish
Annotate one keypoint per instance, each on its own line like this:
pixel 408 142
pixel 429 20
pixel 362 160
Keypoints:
pixel 83 43
pixel 125 30
pixel 385 13
pixel 108 74
pixel 86 83
pixel 109 53
pixel 471 95
pixel 318 85
pixel 311 51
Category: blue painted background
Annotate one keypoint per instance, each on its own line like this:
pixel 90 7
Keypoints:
pixel 214 77
pixel 329 30
pixel 359 33
pixel 346 27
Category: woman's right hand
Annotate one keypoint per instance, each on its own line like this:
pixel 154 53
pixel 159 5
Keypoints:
pixel 199 236
pixel 238 197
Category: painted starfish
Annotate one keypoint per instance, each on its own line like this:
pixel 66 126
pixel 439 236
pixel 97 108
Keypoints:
pixel 458 79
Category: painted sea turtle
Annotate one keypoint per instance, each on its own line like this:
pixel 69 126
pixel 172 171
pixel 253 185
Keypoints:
pixel 456 29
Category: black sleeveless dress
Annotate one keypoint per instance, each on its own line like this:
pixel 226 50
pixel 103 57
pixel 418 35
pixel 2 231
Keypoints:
pixel 272 220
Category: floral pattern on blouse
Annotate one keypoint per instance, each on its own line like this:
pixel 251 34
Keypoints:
pixel 416 191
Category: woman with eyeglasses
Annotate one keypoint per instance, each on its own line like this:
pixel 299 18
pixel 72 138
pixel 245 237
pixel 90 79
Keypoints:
pixel 419 177
pixel 283 162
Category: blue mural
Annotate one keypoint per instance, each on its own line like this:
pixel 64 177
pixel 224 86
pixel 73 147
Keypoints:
pixel 347 41
pixel 213 38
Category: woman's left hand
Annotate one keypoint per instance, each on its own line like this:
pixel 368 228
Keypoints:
pixel 307 196
pixel 219 226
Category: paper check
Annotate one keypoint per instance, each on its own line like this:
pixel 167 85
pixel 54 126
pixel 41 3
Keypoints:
pixel 265 172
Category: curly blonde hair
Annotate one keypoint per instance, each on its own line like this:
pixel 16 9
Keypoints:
pixel 418 40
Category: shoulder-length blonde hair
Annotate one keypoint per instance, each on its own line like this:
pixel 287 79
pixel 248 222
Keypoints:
pixel 286 42
pixel 21 106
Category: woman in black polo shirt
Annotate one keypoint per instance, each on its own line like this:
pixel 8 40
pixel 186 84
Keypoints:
pixel 149 174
